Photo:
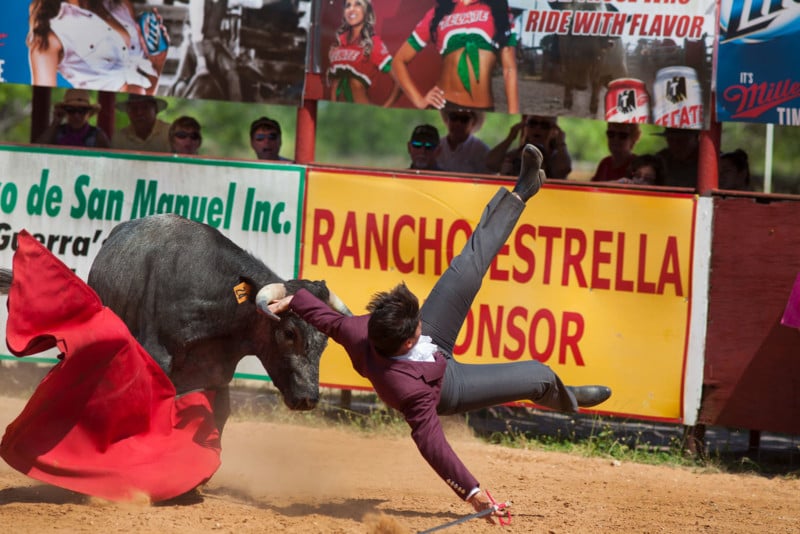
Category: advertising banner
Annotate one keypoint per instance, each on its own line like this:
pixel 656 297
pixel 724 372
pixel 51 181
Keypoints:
pixel 595 284
pixel 758 77
pixel 70 201
pixel 623 61
pixel 235 50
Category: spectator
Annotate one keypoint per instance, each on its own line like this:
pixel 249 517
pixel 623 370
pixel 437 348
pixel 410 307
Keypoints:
pixel 146 132
pixel 680 157
pixel 734 170
pixel 424 148
pixel 265 138
pixel 539 130
pixel 461 151
pixel 185 136
pixel 647 169
pixel 621 138
pixel 76 109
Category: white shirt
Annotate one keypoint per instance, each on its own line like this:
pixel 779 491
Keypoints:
pixel 95 54
pixel 421 352
pixel 469 156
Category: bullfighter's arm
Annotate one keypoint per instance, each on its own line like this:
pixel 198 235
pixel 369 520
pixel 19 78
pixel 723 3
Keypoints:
pixel 324 318
pixel 419 410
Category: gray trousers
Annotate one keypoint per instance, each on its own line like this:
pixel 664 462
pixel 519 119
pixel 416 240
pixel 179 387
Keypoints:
pixel 474 386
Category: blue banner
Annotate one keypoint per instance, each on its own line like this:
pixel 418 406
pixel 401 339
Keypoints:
pixel 758 75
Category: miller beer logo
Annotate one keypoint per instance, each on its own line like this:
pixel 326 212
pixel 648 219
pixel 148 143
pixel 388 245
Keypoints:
pixel 757 20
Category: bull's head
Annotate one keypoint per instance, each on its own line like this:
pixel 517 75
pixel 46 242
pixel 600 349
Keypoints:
pixel 293 363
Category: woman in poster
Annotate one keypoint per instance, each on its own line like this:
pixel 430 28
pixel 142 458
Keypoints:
pixel 358 55
pixel 94 44
pixel 470 35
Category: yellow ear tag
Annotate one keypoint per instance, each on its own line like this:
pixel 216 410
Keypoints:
pixel 242 292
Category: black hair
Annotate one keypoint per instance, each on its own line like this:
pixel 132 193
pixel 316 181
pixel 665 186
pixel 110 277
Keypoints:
pixel 394 319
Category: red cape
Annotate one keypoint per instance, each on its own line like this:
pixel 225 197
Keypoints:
pixel 105 421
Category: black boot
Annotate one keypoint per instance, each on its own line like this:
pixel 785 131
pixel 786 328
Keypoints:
pixel 590 395
pixel 531 175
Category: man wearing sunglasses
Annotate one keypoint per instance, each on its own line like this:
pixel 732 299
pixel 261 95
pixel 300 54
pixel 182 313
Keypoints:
pixel 265 138
pixel 70 125
pixel 424 148
pixel 461 150
pixel 621 139
pixel 543 132
pixel 185 136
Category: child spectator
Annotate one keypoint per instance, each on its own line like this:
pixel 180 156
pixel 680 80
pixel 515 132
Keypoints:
pixel 75 109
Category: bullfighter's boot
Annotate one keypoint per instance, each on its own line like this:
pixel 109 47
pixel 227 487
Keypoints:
pixel 531 175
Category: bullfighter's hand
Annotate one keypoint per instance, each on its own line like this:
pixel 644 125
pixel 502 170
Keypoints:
pixel 279 306
pixel 480 501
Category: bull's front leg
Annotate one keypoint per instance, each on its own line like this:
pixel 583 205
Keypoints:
pixel 567 95
pixel 222 407
pixel 595 96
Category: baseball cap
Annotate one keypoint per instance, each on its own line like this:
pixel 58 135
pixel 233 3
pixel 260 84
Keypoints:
pixel 425 133
pixel 264 122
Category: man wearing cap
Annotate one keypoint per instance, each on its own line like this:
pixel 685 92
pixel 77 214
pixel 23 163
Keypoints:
pixel 424 148
pixel 76 109
pixel 265 138
pixel 145 133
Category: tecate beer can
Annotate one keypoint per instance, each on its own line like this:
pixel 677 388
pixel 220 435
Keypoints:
pixel 678 98
pixel 627 101
pixel 154 34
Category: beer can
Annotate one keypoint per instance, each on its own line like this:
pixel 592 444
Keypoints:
pixel 153 32
pixel 627 101
pixel 678 98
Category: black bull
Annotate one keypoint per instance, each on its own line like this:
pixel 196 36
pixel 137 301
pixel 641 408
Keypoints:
pixel 188 295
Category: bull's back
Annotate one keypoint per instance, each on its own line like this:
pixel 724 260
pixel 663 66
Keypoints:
pixel 171 281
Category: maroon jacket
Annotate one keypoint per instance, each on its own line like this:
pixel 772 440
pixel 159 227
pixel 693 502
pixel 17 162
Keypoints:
pixel 412 388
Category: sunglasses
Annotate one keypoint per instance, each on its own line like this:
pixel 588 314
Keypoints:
pixel 261 136
pixel 421 144
pixel 194 136
pixel 533 123
pixel 74 110
pixel 459 117
pixel 611 134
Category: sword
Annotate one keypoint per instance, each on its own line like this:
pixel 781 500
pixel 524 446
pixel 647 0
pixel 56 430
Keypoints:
pixel 476 515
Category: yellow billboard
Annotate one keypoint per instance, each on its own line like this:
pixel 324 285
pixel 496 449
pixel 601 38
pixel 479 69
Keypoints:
pixel 595 283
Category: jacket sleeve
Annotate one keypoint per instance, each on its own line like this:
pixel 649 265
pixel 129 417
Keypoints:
pixel 325 319
pixel 419 410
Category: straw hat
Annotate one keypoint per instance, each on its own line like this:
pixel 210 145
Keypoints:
pixel 78 98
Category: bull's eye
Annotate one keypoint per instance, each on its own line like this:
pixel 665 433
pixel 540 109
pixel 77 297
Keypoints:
pixel 289 335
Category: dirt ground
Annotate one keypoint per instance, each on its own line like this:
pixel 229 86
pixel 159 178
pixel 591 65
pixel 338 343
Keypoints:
pixel 279 477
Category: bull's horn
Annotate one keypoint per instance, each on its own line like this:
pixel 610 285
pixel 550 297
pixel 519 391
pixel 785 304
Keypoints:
pixel 269 293
pixel 336 303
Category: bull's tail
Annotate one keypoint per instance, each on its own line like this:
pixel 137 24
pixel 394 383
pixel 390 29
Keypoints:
pixel 5 281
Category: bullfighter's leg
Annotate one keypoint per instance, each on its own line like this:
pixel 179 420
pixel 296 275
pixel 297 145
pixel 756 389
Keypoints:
pixel 448 303
pixel 474 386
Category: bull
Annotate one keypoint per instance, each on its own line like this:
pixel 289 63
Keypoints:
pixel 197 302
pixel 589 61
